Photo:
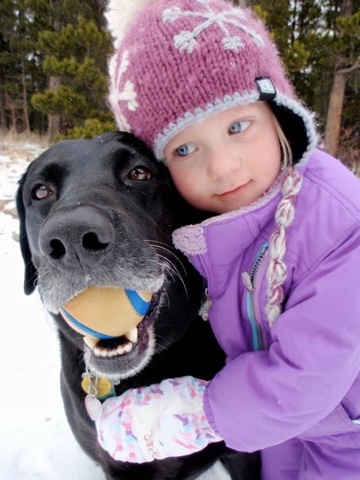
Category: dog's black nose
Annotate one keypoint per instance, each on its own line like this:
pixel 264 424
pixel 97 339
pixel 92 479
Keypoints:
pixel 82 236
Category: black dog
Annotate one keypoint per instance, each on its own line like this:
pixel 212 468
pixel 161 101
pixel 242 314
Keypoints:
pixel 101 212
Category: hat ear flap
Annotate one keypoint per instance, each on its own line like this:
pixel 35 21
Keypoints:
pixel 30 278
pixel 294 130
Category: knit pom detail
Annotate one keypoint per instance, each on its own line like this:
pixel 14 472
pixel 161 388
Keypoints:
pixel 277 271
pixel 121 13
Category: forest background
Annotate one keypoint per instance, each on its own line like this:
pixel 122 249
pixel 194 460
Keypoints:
pixel 54 54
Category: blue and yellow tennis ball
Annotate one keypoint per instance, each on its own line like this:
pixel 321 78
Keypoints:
pixel 106 312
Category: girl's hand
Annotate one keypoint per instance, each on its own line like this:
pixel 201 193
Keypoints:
pixel 156 422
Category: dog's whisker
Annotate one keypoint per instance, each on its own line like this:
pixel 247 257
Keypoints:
pixel 167 249
pixel 169 262
pixel 171 268
pixel 175 273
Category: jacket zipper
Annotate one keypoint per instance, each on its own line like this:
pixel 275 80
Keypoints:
pixel 252 287
pixel 205 306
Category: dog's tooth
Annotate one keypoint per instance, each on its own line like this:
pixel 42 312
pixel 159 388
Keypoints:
pixel 132 335
pixel 128 347
pixel 120 350
pixel 100 352
pixel 90 341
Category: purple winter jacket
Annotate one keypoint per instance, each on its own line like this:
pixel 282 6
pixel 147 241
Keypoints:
pixel 301 377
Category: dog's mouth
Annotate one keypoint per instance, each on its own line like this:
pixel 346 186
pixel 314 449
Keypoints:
pixel 116 326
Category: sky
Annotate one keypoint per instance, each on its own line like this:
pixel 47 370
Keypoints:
pixel 35 439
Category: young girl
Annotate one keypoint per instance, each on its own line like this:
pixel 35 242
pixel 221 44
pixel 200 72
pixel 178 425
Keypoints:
pixel 201 82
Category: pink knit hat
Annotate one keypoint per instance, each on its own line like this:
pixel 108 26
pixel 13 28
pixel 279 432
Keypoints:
pixel 182 60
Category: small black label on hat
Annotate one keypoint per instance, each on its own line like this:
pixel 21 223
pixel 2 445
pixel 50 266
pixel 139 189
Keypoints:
pixel 266 88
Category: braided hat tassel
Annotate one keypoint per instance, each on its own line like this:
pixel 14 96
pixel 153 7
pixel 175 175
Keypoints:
pixel 277 271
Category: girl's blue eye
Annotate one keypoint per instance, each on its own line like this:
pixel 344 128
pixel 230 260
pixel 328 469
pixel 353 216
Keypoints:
pixel 238 127
pixel 184 150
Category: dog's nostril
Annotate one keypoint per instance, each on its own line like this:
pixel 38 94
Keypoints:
pixel 57 249
pixel 91 242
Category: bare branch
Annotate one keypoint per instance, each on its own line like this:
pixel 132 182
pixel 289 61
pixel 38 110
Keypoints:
pixel 349 69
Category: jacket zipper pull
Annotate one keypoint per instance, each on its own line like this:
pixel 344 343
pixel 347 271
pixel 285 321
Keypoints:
pixel 247 282
pixel 205 307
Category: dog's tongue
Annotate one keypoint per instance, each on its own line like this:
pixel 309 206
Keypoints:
pixel 106 312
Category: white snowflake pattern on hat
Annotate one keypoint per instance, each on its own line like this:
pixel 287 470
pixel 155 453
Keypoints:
pixel 186 40
pixel 126 93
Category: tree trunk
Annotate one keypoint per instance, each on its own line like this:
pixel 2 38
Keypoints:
pixel 337 96
pixel 54 121
pixel 11 108
pixel 333 122
pixel 3 122
pixel 25 100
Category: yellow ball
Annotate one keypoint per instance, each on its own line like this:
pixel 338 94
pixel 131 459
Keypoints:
pixel 106 312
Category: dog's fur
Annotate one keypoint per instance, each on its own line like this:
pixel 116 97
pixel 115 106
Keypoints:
pixel 101 212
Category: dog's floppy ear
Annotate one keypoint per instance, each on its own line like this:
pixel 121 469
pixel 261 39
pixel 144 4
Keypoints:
pixel 30 270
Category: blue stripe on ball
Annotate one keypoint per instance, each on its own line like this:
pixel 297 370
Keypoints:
pixel 140 305
pixel 89 331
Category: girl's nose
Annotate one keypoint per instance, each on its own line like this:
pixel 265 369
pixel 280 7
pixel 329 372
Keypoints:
pixel 222 162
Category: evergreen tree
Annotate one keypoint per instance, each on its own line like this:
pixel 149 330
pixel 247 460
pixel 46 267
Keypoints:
pixel 55 53
pixel 17 64
pixel 315 41
pixel 346 61
pixel 7 61
pixel 76 51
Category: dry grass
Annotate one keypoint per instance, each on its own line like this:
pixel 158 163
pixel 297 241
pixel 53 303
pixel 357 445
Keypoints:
pixel 15 145
pixel 13 137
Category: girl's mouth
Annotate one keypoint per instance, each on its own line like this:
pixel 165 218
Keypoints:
pixel 231 194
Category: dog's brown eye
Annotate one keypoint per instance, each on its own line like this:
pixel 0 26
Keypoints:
pixel 140 174
pixel 42 191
